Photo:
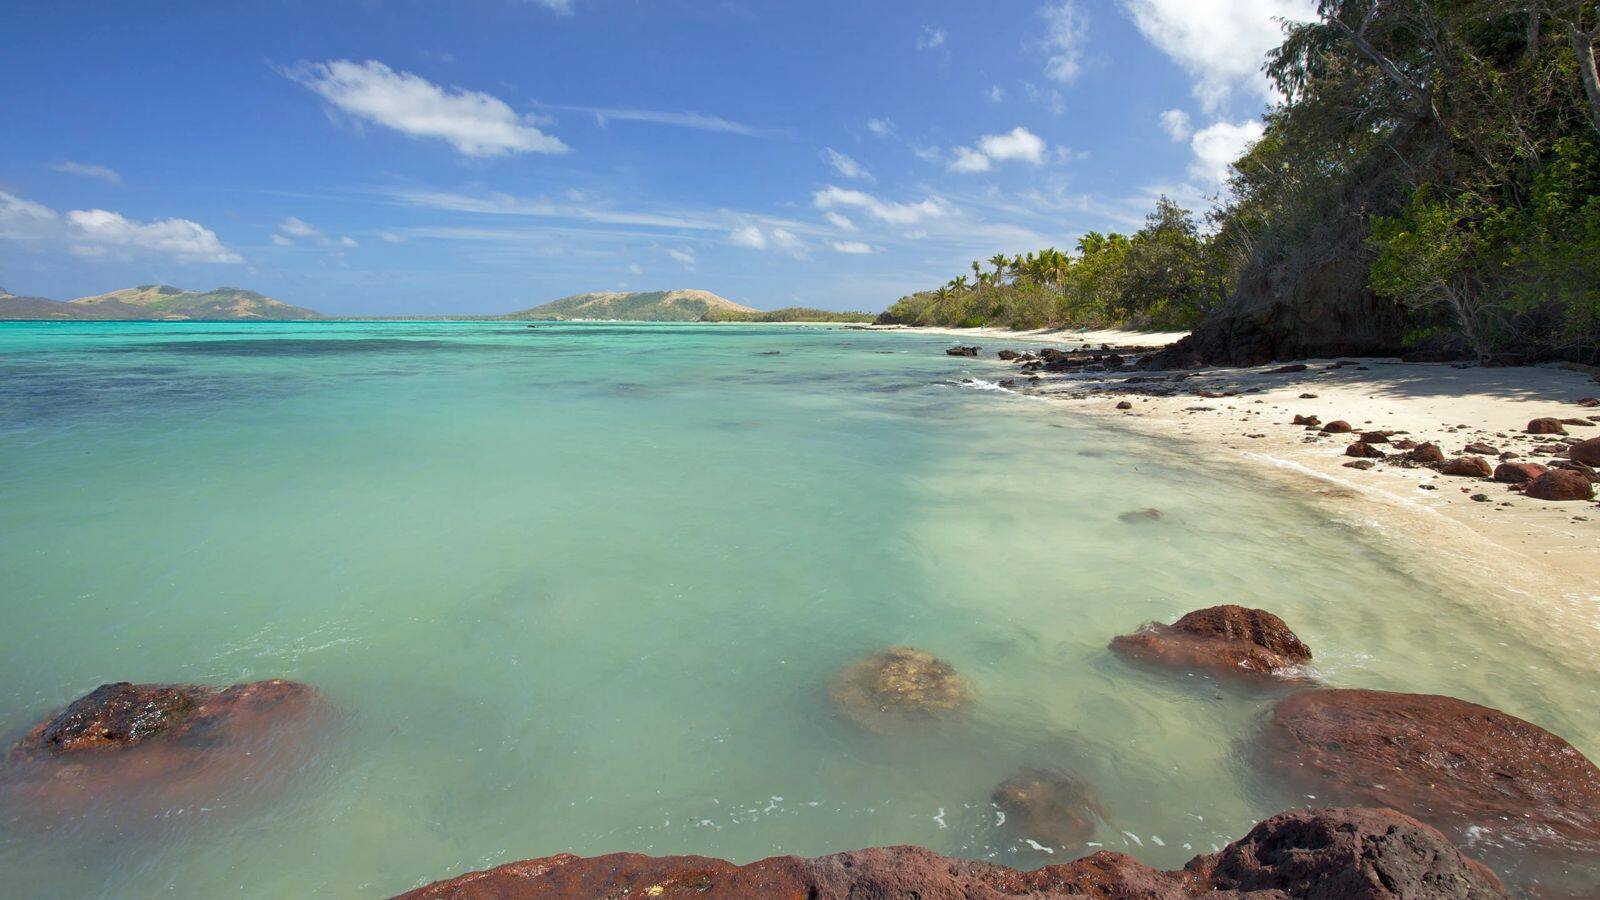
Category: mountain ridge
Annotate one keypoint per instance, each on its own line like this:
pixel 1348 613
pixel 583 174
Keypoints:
pixel 678 305
pixel 156 301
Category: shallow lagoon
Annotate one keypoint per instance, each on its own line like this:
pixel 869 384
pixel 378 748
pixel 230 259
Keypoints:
pixel 582 588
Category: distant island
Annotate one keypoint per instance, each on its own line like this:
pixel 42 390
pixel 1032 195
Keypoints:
pixel 164 302
pixel 156 301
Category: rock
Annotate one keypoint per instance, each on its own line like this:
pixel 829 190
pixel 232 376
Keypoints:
pixel 1579 422
pixel 1468 467
pixel 1337 426
pixel 963 351
pixel 1308 396
pixel 1141 515
pixel 1586 452
pixel 898 687
pixel 1362 464
pixel 1479 449
pixel 1321 854
pixel 1546 426
pixel 1426 454
pixel 1051 807
pixel 1518 472
pixel 1306 420
pixel 1227 639
pixel 1288 370
pixel 1124 405
pixel 1455 765
pixel 1560 484
pixel 1376 437
pixel 136 749
pixel 1009 355
pixel 1589 401
pixel 1364 450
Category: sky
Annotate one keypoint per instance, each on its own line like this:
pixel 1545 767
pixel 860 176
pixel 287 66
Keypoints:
pixel 480 156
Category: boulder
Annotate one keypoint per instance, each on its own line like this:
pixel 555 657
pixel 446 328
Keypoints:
pixel 1468 467
pixel 1054 808
pixel 1586 452
pixel 1306 420
pixel 963 351
pixel 1518 472
pixel 1560 484
pixel 1225 639
pixel 1376 437
pixel 1337 426
pixel 1350 854
pixel 1009 355
pixel 1546 426
pixel 898 687
pixel 1362 449
pixel 1465 768
pixel 1124 405
pixel 1426 454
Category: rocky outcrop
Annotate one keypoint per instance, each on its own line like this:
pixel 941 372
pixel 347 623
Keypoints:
pixel 898 687
pixel 149 746
pixel 1468 467
pixel 1455 765
pixel 1225 639
pixel 1560 485
pixel 1351 854
pixel 1049 806
pixel 962 351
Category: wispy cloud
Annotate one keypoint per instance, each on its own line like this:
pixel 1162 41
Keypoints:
pixel 846 166
pixel 930 38
pixel 832 197
pixel 1177 124
pixel 755 237
pixel 86 170
pixel 559 7
pixel 1066 30
pixel 294 228
pixel 474 123
pixel 853 247
pixel 676 119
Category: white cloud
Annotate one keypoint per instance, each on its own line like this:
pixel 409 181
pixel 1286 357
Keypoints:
pixel 293 226
pixel 997 94
pixel 282 241
pixel 839 221
pixel 853 247
pixel 880 127
pixel 391 237
pixel 180 238
pixel 748 236
pixel 1066 27
pixel 559 7
pixel 683 255
pixel 846 166
pixel 1017 144
pixel 86 170
pixel 24 219
pixel 931 38
pixel 1049 98
pixel 969 160
pixel 1177 124
pixel 348 241
pixel 832 197
pixel 678 119
pixel 1219 145
pixel 475 123
pixel 781 239
pixel 636 269
pixel 1221 43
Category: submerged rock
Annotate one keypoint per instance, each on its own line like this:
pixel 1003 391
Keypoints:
pixel 1560 485
pixel 142 747
pixel 1351 854
pixel 1052 807
pixel 1456 765
pixel 898 686
pixel 962 351
pixel 1150 514
pixel 1228 639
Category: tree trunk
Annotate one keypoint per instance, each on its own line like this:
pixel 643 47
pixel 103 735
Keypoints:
pixel 1535 16
pixel 1583 46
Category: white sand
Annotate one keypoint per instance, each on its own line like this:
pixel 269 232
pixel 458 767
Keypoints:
pixel 1001 338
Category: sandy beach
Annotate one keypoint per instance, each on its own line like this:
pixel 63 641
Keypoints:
pixel 1245 416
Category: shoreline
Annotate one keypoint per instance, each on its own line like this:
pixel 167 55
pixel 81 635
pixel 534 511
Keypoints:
pixel 1244 416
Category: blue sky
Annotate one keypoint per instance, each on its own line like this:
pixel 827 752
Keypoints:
pixel 476 156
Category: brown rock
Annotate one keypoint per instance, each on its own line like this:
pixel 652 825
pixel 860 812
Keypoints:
pixel 1124 405
pixel 1306 420
pixel 1226 639
pixel 1365 450
pixel 1337 426
pixel 1560 484
pixel 1586 452
pixel 1546 426
pixel 1362 464
pixel 1348 854
pixel 1589 401
pixel 1453 764
pixel 1480 449
pixel 1518 472
pixel 898 687
pixel 1054 808
pixel 1426 454
pixel 1468 467
pixel 1376 437
pixel 962 351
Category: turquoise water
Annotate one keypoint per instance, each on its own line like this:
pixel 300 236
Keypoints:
pixel 582 587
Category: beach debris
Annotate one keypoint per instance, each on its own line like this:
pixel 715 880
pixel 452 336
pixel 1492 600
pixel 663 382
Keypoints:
pixel 1560 485
pixel 897 687
pixel 1056 807
pixel 1227 639
pixel 1545 425
pixel 1361 854
pixel 1461 767
pixel 1467 467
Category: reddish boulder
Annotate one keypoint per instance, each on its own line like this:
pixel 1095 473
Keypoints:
pixel 1306 420
pixel 1546 425
pixel 135 748
pixel 1518 472
pixel 1337 426
pixel 1426 454
pixel 1228 639
pixel 1351 854
pixel 1376 437
pixel 1054 808
pixel 1468 467
pixel 1364 450
pixel 1560 484
pixel 1453 764
pixel 1124 405
pixel 1586 452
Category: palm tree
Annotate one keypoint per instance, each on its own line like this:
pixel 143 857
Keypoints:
pixel 959 283
pixel 977 269
pixel 999 261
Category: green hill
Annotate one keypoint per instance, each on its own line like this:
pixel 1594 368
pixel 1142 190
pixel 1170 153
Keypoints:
pixel 637 306
pixel 160 301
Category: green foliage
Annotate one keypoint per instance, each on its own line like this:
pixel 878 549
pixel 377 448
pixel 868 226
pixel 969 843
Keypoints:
pixel 787 314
